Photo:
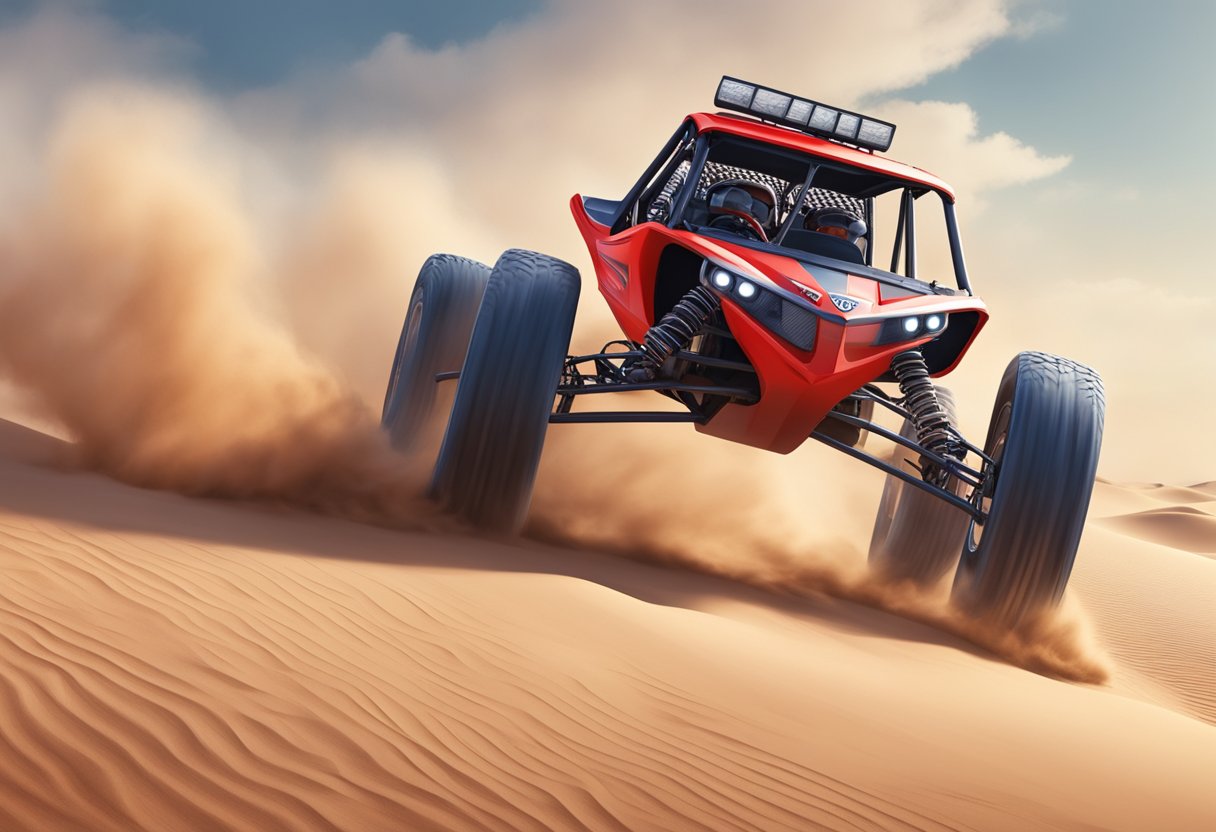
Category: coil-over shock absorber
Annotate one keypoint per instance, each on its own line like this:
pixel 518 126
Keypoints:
pixel 673 333
pixel 929 418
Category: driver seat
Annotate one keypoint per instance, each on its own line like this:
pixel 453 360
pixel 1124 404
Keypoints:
pixel 747 206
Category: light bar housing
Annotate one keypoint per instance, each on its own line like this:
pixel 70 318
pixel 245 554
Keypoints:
pixel 912 327
pixel 804 114
pixel 791 321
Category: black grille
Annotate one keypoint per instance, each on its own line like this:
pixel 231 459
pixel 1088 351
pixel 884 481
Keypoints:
pixel 798 326
pixel 788 320
pixel 767 307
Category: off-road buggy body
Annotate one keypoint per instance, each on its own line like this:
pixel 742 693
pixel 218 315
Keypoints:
pixel 823 323
pixel 766 332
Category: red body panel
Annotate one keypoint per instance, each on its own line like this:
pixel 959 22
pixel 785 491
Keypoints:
pixel 797 388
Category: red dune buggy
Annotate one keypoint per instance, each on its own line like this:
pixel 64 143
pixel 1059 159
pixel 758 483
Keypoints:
pixel 743 268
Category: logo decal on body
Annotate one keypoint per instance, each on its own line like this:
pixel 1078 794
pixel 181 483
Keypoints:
pixel 808 291
pixel 844 303
pixel 619 269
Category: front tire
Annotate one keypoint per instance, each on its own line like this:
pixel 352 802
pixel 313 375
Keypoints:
pixel 433 340
pixel 917 536
pixel 491 450
pixel 1045 435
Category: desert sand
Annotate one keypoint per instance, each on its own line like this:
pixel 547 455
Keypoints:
pixel 171 663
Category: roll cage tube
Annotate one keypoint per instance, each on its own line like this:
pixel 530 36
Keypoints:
pixel 682 134
pixel 900 225
pixel 684 195
pixel 868 202
pixel 669 159
pixel 660 183
pixel 870 232
pixel 905 238
pixel 905 235
pixel 789 221
pixel 956 248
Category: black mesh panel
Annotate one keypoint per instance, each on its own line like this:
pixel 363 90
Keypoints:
pixel 788 320
pixel 798 326
pixel 823 198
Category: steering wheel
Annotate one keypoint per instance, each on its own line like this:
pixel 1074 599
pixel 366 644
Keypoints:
pixel 741 223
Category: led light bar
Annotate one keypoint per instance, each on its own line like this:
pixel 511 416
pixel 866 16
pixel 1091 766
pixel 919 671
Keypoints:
pixel 804 114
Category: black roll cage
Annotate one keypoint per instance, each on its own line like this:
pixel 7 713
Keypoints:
pixel 625 209
pixel 905 233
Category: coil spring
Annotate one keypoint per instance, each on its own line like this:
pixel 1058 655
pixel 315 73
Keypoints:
pixel 676 329
pixel 932 423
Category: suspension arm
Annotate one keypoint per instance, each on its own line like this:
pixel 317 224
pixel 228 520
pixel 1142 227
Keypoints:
pixel 963 472
pixel 597 417
pixel 917 482
pixel 869 393
pixel 684 355
pixel 740 393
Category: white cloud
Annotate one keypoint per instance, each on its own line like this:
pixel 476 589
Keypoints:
pixel 944 137
pixel 1030 18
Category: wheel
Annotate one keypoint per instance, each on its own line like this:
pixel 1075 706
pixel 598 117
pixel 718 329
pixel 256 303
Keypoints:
pixel 916 535
pixel 433 340
pixel 1045 435
pixel 491 450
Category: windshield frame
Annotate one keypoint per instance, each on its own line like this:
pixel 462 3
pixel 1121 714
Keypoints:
pixel 906 231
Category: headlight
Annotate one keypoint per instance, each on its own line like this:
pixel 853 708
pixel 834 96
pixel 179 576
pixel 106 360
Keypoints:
pixel 782 317
pixel 910 327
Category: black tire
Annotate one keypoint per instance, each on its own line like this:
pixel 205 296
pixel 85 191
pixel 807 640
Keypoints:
pixel 1045 434
pixel 434 338
pixel 917 536
pixel 491 450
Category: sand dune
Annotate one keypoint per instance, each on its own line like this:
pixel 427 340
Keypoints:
pixel 169 663
pixel 1179 517
pixel 1152 606
pixel 1126 498
pixel 1189 528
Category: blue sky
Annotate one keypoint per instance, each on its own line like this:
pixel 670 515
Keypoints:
pixel 1114 84
pixel 248 43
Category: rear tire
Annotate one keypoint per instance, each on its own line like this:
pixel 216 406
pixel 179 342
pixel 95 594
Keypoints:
pixel 1045 434
pixel 433 340
pixel 917 536
pixel 491 450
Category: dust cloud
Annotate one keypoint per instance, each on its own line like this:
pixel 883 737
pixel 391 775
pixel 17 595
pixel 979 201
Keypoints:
pixel 133 310
pixel 785 524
